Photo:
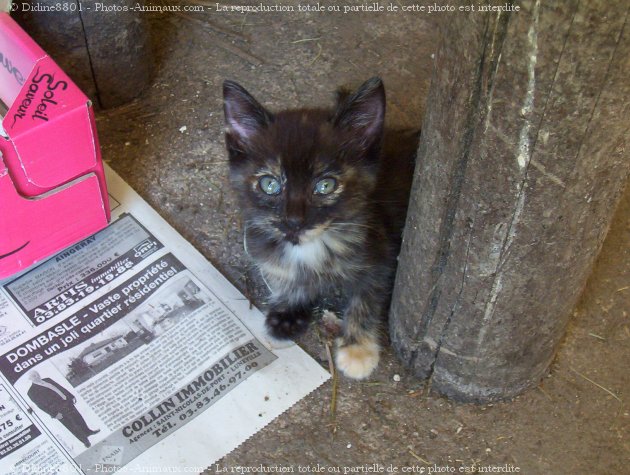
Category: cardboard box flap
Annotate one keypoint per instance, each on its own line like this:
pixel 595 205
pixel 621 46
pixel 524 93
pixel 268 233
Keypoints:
pixel 18 55
pixel 48 94
pixel 42 152
pixel 33 228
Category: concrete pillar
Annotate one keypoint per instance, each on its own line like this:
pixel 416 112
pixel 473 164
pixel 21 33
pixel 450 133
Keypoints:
pixel 107 54
pixel 523 156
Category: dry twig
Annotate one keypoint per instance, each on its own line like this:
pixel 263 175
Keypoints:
pixel 335 384
pixel 418 457
pixel 250 58
pixel 206 23
pixel 304 40
pixel 319 53
pixel 544 392
pixel 598 385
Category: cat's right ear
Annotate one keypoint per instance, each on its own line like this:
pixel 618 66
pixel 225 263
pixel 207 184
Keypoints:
pixel 244 116
pixel 363 113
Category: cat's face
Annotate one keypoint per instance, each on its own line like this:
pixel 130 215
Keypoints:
pixel 303 173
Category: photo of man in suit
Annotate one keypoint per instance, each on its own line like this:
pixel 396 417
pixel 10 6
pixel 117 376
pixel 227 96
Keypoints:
pixel 59 403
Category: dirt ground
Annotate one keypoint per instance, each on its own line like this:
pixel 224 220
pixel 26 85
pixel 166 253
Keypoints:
pixel 168 145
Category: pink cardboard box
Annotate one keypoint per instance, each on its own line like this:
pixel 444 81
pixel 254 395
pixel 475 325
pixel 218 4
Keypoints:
pixel 52 185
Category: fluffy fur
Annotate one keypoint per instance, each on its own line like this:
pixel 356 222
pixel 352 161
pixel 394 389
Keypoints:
pixel 310 243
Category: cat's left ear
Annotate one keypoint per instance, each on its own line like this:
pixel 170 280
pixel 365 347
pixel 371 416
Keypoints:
pixel 363 113
pixel 244 116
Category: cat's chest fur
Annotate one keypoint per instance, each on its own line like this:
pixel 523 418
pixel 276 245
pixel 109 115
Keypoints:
pixel 322 260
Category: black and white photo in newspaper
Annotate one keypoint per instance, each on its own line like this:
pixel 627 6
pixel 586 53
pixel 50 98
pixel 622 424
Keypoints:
pixel 128 349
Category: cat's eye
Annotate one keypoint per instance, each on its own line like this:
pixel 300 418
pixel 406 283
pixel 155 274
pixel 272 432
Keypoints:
pixel 269 185
pixel 325 186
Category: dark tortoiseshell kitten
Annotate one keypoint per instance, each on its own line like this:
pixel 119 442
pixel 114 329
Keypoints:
pixel 324 204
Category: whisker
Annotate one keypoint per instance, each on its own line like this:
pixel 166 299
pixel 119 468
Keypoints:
pixel 353 224
pixel 351 227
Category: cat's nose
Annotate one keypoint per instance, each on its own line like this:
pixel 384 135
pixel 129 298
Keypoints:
pixel 292 227
pixel 294 224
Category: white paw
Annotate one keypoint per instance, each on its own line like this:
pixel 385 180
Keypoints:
pixel 357 361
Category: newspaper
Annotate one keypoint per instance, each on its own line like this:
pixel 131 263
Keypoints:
pixel 129 352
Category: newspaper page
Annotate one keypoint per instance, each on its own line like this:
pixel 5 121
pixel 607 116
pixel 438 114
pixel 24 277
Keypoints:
pixel 129 352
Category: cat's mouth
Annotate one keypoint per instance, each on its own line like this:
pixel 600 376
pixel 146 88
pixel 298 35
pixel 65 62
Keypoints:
pixel 292 238
pixel 305 236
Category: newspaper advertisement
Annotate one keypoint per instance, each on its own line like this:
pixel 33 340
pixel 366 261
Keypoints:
pixel 129 352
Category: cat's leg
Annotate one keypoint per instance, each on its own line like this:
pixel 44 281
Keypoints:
pixel 286 321
pixel 359 348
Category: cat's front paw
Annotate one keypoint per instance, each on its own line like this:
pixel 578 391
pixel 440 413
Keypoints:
pixel 287 324
pixel 358 360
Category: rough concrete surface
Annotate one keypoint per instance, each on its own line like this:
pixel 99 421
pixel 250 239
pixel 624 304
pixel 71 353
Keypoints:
pixel 519 192
pixel 168 145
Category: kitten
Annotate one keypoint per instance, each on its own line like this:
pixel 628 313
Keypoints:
pixel 324 204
